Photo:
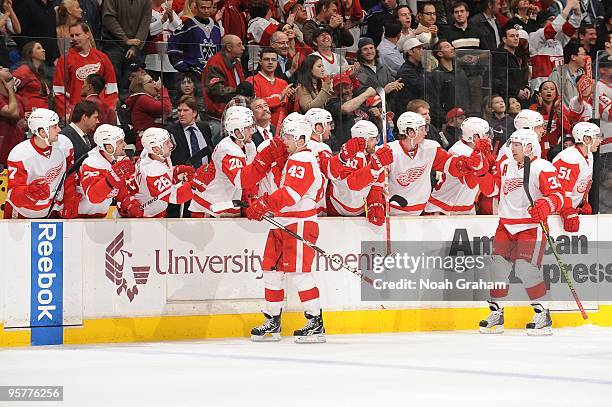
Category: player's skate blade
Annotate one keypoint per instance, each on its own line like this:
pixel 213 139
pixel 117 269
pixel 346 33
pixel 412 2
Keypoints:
pixel 494 324
pixel 268 337
pixel 313 332
pixel 541 325
pixel 493 330
pixel 269 331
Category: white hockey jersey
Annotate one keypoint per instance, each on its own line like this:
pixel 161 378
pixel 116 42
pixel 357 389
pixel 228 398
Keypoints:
pixel 96 198
pixel 317 148
pixel 575 173
pixel 26 164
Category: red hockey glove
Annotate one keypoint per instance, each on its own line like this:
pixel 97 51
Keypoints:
pixel 203 176
pixel 182 173
pixel 376 213
pixel 382 157
pixel 586 209
pixel 258 208
pixel 459 166
pixel 275 152
pixel 129 207
pixel 120 173
pixel 541 209
pixel 71 206
pixel 352 147
pixel 39 190
pixel 571 221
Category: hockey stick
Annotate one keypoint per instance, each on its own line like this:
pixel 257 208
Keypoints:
pixel 74 167
pixel 383 119
pixel 196 157
pixel 526 169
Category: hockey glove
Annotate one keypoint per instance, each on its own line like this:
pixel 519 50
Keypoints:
pixel 352 147
pixel 376 213
pixel 129 207
pixel 203 176
pixel 258 208
pixel 275 152
pixel 71 206
pixel 541 209
pixel 382 157
pixel 39 190
pixel 571 221
pixel 182 173
pixel 120 173
pixel 586 209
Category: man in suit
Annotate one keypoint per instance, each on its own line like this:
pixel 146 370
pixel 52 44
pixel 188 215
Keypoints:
pixel 83 123
pixel 263 128
pixel 287 67
pixel 190 137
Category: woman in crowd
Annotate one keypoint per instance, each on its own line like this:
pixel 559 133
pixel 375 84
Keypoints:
pixel 29 80
pixel 514 107
pixel 296 45
pixel 315 87
pixel 9 25
pixel 549 106
pixel 521 10
pixel 188 87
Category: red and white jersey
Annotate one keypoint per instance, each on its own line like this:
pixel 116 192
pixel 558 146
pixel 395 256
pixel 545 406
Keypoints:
pixel 506 152
pixel 348 193
pixel 575 173
pixel 301 188
pixel 260 30
pixel 155 186
pixel 270 183
pixel 513 202
pixel 409 174
pixel 229 159
pixel 323 154
pixel 451 195
pixel 28 163
pixel 604 109
pixel 546 47
pixel 97 194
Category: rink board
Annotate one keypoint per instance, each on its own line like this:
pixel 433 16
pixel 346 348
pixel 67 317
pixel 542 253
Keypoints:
pixel 147 280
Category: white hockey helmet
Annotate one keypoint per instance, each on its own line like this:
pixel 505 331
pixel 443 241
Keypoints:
pixel 526 137
pixel 154 137
pixel 42 119
pixel 474 126
pixel 291 118
pixel 318 116
pixel 364 129
pixel 298 128
pixel 108 134
pixel 410 120
pixel 585 129
pixel 238 118
pixel 528 119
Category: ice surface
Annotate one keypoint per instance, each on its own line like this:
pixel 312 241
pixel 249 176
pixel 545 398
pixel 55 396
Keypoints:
pixel 449 369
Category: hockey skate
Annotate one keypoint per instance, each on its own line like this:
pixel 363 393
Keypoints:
pixel 269 331
pixel 541 325
pixel 494 324
pixel 313 332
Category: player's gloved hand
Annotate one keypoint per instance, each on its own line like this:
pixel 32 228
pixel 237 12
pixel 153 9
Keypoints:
pixel 71 206
pixel 382 157
pixel 120 173
pixel 586 209
pixel 39 190
pixel 258 208
pixel 352 147
pixel 129 207
pixel 459 166
pixel 203 176
pixel 274 152
pixel 376 213
pixel 541 209
pixel 571 221
pixel 182 173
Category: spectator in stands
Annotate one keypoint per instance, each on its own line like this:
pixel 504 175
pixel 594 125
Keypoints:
pixel 69 12
pixel 327 17
pixel 334 63
pixel 72 69
pixel 316 86
pixel 546 44
pixel 403 14
pixel 189 9
pixel 522 11
pixel 549 106
pixel 125 28
pixel 509 79
pixel 265 130
pixel 426 31
pixel 275 91
pixel 83 123
pixel 352 12
pixel 450 87
pixel 296 45
pixel 377 17
pixel 296 15
pixel 148 104
pixel 566 76
pixel 223 73
pixel 501 123
pixel 412 75
pixel 488 25
pixel 346 109
pixel 9 25
pixel 374 109
pixel 514 107
pixel 261 25
pixel 233 17
pixel 389 53
pixel 188 87
pixel 421 107
pixel 587 35
pixel 287 67
pixel 29 80
pixel 371 72
pixel 196 41
pixel 164 22
pixel 38 20
pixel 462 33
pixel 11 115
pixel 92 90
pixel 92 16
pixel 452 128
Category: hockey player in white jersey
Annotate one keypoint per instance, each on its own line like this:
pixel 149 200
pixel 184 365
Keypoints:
pixel 236 169
pixel 363 182
pixel 525 119
pixel 456 196
pixel 575 167
pixel 108 173
pixel 294 206
pixel 414 157
pixel 159 182
pixel 35 169
pixel 321 122
pixel 519 240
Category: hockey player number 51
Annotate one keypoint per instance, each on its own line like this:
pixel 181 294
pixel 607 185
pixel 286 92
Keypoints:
pixel 564 173
pixel 296 172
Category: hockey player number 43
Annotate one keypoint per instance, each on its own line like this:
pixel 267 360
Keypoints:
pixel 296 171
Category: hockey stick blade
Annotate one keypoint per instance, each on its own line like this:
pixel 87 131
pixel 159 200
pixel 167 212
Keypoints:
pixel 399 200
pixel 223 206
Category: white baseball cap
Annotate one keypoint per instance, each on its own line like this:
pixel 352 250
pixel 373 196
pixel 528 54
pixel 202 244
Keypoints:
pixel 411 43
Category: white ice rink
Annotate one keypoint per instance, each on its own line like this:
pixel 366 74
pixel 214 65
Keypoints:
pixel 447 369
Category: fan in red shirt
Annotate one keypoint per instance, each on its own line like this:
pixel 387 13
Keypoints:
pixel 11 113
pixel 29 82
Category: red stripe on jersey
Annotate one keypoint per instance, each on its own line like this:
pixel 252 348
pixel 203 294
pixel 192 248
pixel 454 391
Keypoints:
pixel 409 208
pixel 298 214
pixel 450 208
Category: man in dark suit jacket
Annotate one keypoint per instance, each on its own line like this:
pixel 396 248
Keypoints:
pixel 190 138
pixel 263 127
pixel 484 21
pixel 82 125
